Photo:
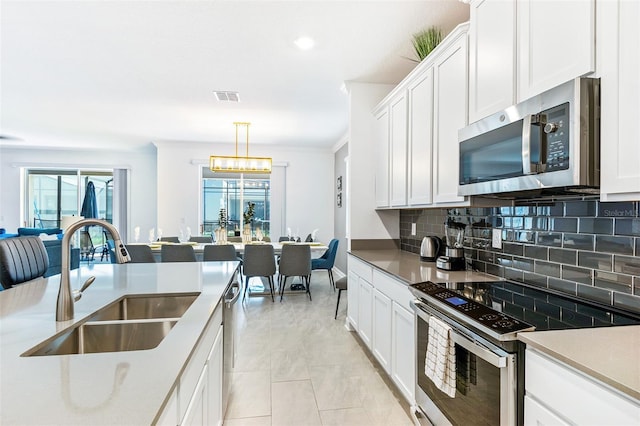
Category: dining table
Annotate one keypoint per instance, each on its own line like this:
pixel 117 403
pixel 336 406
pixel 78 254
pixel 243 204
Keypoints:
pixel 258 288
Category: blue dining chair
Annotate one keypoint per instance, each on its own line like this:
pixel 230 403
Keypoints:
pixel 327 260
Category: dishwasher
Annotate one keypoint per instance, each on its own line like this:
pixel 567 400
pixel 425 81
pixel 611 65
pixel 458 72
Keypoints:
pixel 231 296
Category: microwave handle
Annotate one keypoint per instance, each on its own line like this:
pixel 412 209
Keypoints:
pixel 529 168
pixel 526 145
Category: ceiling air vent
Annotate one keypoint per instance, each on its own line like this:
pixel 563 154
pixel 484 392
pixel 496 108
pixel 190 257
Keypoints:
pixel 223 95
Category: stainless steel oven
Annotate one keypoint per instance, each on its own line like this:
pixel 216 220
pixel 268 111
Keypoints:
pixel 486 382
pixel 484 320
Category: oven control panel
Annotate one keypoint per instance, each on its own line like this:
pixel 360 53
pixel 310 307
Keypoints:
pixel 497 321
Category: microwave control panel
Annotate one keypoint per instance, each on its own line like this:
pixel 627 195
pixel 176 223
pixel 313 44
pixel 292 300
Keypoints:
pixel 555 128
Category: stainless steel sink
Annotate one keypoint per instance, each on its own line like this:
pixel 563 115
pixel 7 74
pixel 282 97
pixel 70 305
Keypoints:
pixel 112 336
pixel 131 323
pixel 135 307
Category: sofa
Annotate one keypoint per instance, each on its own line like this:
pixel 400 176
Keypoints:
pixel 53 247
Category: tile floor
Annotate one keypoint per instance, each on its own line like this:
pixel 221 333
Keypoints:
pixel 296 365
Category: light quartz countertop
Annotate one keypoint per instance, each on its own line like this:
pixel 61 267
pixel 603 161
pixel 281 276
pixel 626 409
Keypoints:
pixel 409 268
pixel 104 388
pixel 609 354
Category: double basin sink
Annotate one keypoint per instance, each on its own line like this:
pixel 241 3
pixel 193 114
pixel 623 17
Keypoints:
pixel 131 323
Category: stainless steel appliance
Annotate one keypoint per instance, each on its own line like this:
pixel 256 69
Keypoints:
pixel 231 296
pixel 548 144
pixel 429 249
pixel 453 260
pixel 485 318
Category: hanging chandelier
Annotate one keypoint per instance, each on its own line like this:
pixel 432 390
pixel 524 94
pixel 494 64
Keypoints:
pixel 237 164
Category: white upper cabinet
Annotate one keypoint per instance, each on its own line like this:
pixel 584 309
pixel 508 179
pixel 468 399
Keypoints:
pixel 619 72
pixel 420 138
pixel 450 115
pixel 417 130
pixel 382 157
pixel 492 50
pixel 398 150
pixel 556 43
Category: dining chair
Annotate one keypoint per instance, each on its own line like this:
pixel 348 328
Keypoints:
pixel 327 260
pixel 205 239
pixel 221 252
pixel 259 261
pixel 140 253
pixel 234 239
pixel 295 261
pixel 170 240
pixel 22 259
pixel 341 284
pixel 177 253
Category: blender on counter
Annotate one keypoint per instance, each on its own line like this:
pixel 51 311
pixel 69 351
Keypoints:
pixel 453 260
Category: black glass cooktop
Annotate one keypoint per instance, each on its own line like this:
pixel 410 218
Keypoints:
pixel 542 309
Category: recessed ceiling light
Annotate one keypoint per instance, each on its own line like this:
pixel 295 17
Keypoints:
pixel 304 43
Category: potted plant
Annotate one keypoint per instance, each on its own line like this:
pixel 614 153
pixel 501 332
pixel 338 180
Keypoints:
pixel 425 41
pixel 247 217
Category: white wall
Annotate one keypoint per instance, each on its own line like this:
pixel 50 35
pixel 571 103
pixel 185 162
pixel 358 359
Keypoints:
pixel 364 221
pixel 309 180
pixel 141 164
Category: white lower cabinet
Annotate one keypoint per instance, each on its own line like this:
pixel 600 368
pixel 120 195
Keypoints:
pixel 365 311
pixel 196 413
pixel 403 369
pixel 385 322
pixel 556 393
pixel 538 415
pixel 381 344
pixel 197 398
pixel 352 301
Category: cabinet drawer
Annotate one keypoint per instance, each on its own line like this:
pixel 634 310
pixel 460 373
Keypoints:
pixel 393 289
pixel 574 396
pixel 360 268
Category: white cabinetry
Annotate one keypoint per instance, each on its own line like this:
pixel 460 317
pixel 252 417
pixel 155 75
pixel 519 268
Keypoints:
pixel 619 71
pixel 450 115
pixel 197 397
pixel 382 158
pixel 381 344
pixel 420 138
pixel 554 390
pixel 556 43
pixel 417 130
pixel 398 150
pixel 492 50
pixel 352 300
pixel 385 322
pixel 403 356
pixel 365 310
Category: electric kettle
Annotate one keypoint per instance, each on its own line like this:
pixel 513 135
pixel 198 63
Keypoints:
pixel 429 249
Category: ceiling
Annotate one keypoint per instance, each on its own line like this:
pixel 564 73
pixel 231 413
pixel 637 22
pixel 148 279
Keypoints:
pixel 124 74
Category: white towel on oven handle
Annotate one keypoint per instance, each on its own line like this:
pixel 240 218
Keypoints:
pixel 440 363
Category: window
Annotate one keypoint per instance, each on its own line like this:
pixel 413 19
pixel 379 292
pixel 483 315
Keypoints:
pixel 52 194
pixel 232 192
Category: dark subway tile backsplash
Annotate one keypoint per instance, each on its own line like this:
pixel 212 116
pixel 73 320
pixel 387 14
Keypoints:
pixel 581 247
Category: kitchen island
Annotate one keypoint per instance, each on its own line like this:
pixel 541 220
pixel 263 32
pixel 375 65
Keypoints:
pixel 131 387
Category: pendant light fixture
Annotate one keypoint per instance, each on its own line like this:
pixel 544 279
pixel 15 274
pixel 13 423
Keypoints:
pixel 238 164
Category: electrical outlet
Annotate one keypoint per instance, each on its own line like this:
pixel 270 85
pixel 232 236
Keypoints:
pixel 413 229
pixel 496 238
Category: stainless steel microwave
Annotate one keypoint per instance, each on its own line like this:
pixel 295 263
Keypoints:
pixel 546 145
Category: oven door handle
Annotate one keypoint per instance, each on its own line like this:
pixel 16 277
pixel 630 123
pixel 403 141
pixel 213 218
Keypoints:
pixel 472 346
pixel 478 350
